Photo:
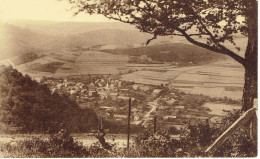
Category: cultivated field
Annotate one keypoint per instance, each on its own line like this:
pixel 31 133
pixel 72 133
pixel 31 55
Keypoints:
pixel 220 79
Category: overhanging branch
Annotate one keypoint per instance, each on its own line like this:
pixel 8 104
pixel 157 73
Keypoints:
pixel 221 49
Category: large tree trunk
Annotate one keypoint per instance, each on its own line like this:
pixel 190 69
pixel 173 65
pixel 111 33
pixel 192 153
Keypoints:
pixel 250 87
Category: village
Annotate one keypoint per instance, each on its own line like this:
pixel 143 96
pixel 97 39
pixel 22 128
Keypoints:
pixel 109 97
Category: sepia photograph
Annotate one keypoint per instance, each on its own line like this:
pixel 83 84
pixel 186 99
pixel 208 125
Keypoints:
pixel 128 78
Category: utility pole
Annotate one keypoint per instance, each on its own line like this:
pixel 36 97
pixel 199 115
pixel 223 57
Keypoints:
pixel 128 126
pixel 101 123
pixel 154 124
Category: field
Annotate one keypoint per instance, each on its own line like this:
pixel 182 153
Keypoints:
pixel 95 62
pixel 220 79
pixel 217 79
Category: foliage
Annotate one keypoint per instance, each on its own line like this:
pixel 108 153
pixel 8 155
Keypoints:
pixel 177 53
pixel 240 144
pixel 157 145
pixel 63 145
pixel 27 57
pixel 30 107
pixel 193 142
pixel 58 145
pixel 49 67
pixel 195 139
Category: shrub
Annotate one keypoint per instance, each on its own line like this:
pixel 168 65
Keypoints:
pixel 58 145
pixel 195 139
pixel 239 144
pixel 63 145
pixel 192 143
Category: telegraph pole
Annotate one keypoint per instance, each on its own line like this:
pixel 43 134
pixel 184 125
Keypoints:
pixel 154 124
pixel 128 126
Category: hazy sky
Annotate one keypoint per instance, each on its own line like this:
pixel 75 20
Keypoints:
pixel 43 10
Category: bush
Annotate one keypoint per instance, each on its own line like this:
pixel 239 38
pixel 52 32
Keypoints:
pixel 239 144
pixel 192 143
pixel 59 145
pixel 156 145
pixel 195 139
pixel 63 145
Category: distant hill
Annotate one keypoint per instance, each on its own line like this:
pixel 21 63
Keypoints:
pixel 68 28
pixel 174 52
pixel 15 41
pixel 27 38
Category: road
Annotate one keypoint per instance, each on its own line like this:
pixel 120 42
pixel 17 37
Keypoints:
pixel 86 140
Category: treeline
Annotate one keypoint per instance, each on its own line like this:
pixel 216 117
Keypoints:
pixel 183 54
pixel 29 107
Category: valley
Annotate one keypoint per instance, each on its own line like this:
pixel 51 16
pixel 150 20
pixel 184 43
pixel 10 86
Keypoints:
pixel 174 81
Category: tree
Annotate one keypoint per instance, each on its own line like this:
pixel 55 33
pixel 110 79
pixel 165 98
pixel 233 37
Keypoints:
pixel 217 21
pixel 28 106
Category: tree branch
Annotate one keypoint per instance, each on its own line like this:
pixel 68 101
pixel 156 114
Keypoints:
pixel 222 50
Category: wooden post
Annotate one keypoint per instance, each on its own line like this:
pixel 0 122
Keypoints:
pixel 253 123
pixel 101 123
pixel 128 126
pixel 236 125
pixel 154 124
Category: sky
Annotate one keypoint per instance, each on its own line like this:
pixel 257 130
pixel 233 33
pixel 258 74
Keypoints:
pixel 54 10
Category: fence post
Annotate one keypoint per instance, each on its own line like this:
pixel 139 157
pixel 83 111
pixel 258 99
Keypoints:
pixel 253 123
pixel 236 125
pixel 128 125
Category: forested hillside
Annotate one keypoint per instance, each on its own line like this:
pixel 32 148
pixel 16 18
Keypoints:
pixel 27 107
pixel 174 52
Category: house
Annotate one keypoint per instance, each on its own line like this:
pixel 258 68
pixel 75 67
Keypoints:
pixel 73 91
pixel 119 83
pixel 162 107
pixel 135 87
pixel 156 92
pixel 112 81
pixel 123 98
pixel 180 107
pixel 103 95
pixel 92 93
pixel 91 86
pixel 171 101
pixel 100 85
pixel 119 116
pixel 124 90
pixel 135 110
pixel 192 110
pixel 144 88
pixel 170 117
pixel 179 127
pixel 59 85
pixel 113 96
pixel 112 86
pixel 152 104
pixel 136 117
pixel 83 91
